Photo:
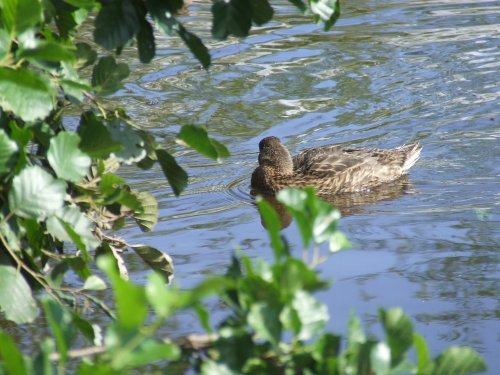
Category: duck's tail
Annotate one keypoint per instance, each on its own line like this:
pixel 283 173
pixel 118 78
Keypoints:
pixel 412 152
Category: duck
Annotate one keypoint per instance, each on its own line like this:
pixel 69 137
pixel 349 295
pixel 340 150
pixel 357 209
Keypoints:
pixel 330 169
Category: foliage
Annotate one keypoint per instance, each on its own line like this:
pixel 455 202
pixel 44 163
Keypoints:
pixel 274 324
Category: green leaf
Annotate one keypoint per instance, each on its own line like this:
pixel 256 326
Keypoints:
pixel 262 12
pixel 8 150
pixel 265 320
pixel 312 314
pixel 35 194
pixel 74 90
pixel 130 299
pixel 422 350
pixel 272 223
pixel 147 218
pixel 327 10
pixel 458 361
pixel 116 23
pixel 26 93
pixel 16 300
pixel 300 5
pixel 148 352
pixel 157 260
pixel 107 75
pixel 20 15
pixel 85 55
pixel 380 358
pixel 48 51
pixel 164 300
pixel 5 43
pixel 133 145
pixel 295 201
pixel 196 46
pixel 94 282
pixel 41 363
pixel 65 157
pixel 231 17
pixel 12 358
pixel 399 332
pixel 146 42
pixel 355 331
pixel 77 221
pixel 61 323
pixel 197 137
pixel 176 176
pixel 96 140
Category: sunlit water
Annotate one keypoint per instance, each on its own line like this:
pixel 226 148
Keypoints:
pixel 388 73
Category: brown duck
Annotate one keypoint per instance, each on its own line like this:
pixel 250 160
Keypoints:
pixel 330 169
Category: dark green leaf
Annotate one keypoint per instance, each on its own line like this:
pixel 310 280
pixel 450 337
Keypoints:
pixel 458 361
pixel 262 11
pixel 148 216
pixel 197 137
pixel 35 194
pixel 107 75
pixel 74 90
pixel 299 4
pixel 61 323
pixel 176 176
pixel 42 364
pixel 26 93
pixel 116 23
pixel 157 260
pixel 65 157
pixel 231 17
pixel 96 139
pixel 16 300
pixel 265 320
pixel 196 46
pixel 20 15
pixel 48 51
pixel 146 42
pixel 11 356
pixel 85 55
pixel 8 150
pixel 399 332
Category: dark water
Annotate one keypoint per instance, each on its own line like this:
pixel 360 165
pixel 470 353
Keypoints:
pixel 390 72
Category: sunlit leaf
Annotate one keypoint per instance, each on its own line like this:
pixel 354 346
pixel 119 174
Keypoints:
pixel 130 299
pixel 176 176
pixel 67 160
pixel 20 15
pixel 422 350
pixel 162 299
pixel 196 46
pixel 312 314
pixel 458 361
pixel 157 260
pixel 94 282
pixel 26 93
pixel 11 357
pixel 8 150
pixel 273 225
pixel 133 145
pixel 5 43
pixel 48 51
pixel 148 216
pixel 107 75
pixel 197 137
pixel 16 300
pixel 380 358
pixel 116 23
pixel 231 17
pixel 35 194
pixel 77 221
pixel 265 321
pixel 399 332
pixel 146 42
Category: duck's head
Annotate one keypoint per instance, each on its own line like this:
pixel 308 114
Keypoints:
pixel 274 155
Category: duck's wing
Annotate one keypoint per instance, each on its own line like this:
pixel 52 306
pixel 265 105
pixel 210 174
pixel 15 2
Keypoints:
pixel 329 160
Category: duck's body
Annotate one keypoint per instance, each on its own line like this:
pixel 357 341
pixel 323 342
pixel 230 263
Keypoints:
pixel 330 169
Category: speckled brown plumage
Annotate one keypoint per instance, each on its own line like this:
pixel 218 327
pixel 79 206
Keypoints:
pixel 330 169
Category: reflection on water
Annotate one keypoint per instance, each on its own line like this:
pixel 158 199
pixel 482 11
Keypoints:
pixel 389 72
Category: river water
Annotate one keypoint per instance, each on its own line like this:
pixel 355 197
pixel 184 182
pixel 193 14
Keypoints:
pixel 388 73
